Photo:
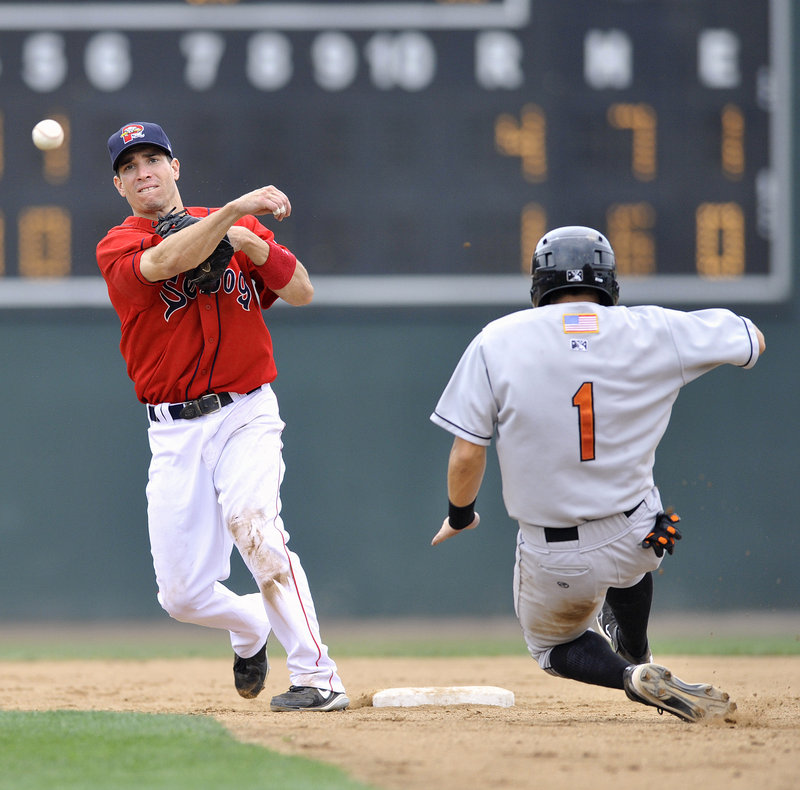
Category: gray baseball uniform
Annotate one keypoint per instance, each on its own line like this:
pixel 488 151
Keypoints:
pixel 577 397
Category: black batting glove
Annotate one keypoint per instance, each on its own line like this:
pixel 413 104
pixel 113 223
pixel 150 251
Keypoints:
pixel 664 534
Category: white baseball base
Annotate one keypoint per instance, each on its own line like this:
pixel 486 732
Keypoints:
pixel 443 695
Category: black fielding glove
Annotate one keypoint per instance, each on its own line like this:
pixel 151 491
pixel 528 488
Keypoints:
pixel 205 276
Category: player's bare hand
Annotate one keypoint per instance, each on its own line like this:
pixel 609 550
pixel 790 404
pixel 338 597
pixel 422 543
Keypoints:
pixel 446 532
pixel 264 200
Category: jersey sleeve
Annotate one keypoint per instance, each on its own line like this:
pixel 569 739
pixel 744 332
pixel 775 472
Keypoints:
pixel 705 339
pixel 277 271
pixel 119 256
pixel 467 407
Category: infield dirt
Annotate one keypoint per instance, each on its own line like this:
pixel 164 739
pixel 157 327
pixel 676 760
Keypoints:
pixel 559 735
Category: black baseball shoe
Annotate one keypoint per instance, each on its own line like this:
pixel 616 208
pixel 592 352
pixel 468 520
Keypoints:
pixel 607 627
pixel 249 674
pixel 655 685
pixel 309 698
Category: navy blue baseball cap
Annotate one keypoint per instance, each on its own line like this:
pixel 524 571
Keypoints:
pixel 138 133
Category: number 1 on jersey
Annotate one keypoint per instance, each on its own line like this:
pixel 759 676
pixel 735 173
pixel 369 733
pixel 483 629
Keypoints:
pixel 583 401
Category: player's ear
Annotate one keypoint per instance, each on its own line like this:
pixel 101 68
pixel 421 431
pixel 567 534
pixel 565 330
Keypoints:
pixel 119 185
pixel 176 168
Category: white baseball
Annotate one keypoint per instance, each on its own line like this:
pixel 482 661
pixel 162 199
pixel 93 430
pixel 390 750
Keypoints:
pixel 47 134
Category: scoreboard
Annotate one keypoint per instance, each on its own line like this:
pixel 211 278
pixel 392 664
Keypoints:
pixel 425 145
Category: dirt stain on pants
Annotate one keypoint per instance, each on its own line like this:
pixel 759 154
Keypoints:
pixel 269 567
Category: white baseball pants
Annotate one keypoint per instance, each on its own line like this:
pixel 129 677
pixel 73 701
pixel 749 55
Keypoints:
pixel 560 587
pixel 214 482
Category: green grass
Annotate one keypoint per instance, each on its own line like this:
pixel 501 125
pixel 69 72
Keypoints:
pixel 69 649
pixel 779 645
pixel 72 750
pixel 424 646
pixel 428 647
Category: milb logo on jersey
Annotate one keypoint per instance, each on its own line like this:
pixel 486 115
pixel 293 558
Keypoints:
pixel 177 291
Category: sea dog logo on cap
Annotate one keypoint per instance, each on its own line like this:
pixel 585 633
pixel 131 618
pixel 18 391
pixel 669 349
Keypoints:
pixel 131 132
pixel 137 133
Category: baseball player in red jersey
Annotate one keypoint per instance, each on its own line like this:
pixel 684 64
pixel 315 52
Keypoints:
pixel 577 394
pixel 202 362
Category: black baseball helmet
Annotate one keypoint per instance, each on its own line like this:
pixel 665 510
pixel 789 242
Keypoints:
pixel 573 257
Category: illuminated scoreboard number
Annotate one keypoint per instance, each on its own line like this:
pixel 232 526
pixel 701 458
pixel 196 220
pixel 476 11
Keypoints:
pixel 696 207
pixel 43 231
pixel 720 232
pixel 720 226
pixel 493 120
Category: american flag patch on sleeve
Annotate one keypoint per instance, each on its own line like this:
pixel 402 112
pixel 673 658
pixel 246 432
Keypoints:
pixel 580 322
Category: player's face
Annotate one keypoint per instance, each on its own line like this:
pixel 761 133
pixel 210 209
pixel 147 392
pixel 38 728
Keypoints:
pixel 146 178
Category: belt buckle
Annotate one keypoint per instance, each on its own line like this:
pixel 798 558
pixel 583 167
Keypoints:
pixel 205 404
pixel 209 403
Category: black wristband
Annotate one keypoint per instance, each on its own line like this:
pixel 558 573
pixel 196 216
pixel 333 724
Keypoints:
pixel 461 517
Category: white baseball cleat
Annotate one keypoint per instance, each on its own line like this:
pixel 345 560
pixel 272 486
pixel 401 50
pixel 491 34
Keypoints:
pixel 652 684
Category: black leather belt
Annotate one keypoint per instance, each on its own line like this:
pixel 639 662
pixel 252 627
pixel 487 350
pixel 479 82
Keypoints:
pixel 205 404
pixel 561 534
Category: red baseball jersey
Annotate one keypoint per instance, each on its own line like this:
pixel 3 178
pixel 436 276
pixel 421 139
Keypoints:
pixel 179 343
